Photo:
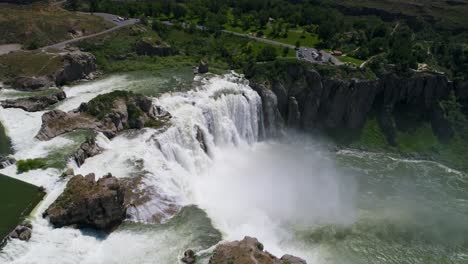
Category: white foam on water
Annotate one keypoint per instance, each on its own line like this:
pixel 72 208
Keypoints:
pixel 84 92
pixel 224 110
pixel 246 187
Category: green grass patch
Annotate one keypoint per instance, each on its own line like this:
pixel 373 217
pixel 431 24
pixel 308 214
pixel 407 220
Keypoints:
pixel 39 25
pixel 31 164
pixel 294 35
pixel 29 63
pixel 371 137
pixel 17 200
pixel 351 60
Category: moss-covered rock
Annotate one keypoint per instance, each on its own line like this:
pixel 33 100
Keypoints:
pixel 108 113
pixel 87 203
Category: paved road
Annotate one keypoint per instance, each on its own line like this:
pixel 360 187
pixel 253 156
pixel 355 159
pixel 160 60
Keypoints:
pixel 108 17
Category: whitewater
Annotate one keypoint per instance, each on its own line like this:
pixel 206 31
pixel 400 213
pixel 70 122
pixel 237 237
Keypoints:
pixel 279 190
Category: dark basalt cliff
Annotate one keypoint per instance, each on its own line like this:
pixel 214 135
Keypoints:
pixel 311 102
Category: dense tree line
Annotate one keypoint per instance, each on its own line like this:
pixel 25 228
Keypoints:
pixel 359 37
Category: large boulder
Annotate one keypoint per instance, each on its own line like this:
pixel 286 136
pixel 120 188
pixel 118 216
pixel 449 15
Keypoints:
pixel 76 65
pixel 25 83
pixel 88 149
pixel 89 203
pixel 107 113
pixel 57 122
pixel 151 47
pixel 22 232
pixel 203 67
pixel 248 251
pixel 34 103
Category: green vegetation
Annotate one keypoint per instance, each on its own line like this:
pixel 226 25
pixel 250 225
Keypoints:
pixel 446 15
pixel 371 137
pixel 115 52
pixel 39 25
pixel 29 63
pixel 103 104
pixel 17 200
pixel 31 164
pixel 278 70
pixel 5 144
pixel 403 33
pixel 421 141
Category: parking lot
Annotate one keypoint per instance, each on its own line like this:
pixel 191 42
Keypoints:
pixel 316 56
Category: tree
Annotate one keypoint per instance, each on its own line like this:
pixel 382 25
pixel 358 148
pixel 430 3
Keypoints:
pixel 73 4
pixel 327 30
pixel 267 53
pixel 298 44
pixel 93 6
pixel 401 50
pixel 179 11
pixel 285 51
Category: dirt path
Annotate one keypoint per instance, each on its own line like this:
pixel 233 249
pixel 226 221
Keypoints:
pixel 7 48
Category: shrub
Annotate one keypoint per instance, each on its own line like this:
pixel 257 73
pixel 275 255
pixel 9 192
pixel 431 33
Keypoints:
pixel 30 164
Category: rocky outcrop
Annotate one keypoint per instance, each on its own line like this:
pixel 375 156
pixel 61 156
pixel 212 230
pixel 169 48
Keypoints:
pixel 6 161
pixel 57 122
pixel 151 47
pixel 23 83
pixel 108 113
pixel 189 257
pixel 76 65
pixel 248 251
pixel 22 232
pixel 87 203
pixel 202 67
pixel 34 103
pixel 88 149
pixel 272 119
pixel 324 104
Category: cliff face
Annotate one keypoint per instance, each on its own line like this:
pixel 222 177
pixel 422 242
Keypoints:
pixel 308 101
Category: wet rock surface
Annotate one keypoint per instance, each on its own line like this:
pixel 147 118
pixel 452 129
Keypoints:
pixel 248 251
pixel 31 83
pixel 34 103
pixel 108 113
pixel 88 149
pixel 86 202
pixel 203 67
pixel 6 161
pixel 22 232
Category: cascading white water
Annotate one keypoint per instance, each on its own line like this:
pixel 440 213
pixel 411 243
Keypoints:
pixel 221 112
pixel 291 194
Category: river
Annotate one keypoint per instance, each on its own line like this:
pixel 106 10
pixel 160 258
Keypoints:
pixel 296 194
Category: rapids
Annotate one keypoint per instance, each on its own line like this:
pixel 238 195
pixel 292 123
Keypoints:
pixel 294 193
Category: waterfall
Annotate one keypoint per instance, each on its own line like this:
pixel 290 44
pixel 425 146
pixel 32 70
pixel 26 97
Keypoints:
pixel 160 166
pixel 222 111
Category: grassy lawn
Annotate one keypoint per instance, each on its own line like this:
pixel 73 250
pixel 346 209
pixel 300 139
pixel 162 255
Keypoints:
pixel 29 63
pixel 294 35
pixel 348 59
pixel 44 25
pixel 17 200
